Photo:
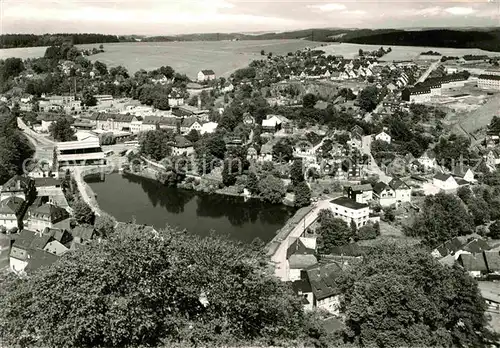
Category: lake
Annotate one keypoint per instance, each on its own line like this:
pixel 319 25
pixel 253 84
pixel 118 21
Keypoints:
pixel 128 196
pixel 187 57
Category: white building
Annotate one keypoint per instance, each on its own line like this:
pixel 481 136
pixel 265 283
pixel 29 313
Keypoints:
pixel 383 136
pixel 208 127
pixel 206 75
pixel 75 153
pixel 360 193
pixel 348 210
pixel 394 193
pixel 428 160
pixel 11 210
pixel 326 295
pixel 445 182
pixel 489 82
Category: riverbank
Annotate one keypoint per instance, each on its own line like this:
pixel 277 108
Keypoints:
pixel 86 192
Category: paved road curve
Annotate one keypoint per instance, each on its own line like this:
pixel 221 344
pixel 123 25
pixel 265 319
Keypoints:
pixel 279 257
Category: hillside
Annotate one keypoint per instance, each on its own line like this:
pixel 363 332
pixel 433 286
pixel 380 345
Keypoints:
pixel 487 40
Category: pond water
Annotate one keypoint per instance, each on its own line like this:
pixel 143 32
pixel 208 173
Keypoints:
pixel 127 197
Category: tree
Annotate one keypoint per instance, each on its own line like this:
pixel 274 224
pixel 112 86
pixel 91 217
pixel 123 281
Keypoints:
pixel 262 52
pixel 368 98
pixel 494 230
pixel 370 231
pixel 101 68
pixel 83 213
pixel 283 151
pixel 253 183
pixel 332 232
pixel 443 217
pixel 230 171
pixel 403 297
pixel 156 143
pixel 88 98
pixel 296 171
pixel 61 130
pixel 309 100
pixel 302 194
pixel 161 103
pixel 184 291
pixel 193 136
pixel 105 225
pixel 272 189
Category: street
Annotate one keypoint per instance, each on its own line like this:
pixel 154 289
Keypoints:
pixel 279 257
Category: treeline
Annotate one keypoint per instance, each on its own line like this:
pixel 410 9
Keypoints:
pixel 487 40
pixel 31 40
pixel 14 147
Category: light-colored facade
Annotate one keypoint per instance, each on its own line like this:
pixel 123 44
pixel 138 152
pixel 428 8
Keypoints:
pixel 445 182
pixel 206 75
pixel 489 82
pixel 71 153
pixel 383 136
pixel 348 210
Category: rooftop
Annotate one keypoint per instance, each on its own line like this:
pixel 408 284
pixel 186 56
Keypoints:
pixel 322 279
pixel 298 261
pixel 349 203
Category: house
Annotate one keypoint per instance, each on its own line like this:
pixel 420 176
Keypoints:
pixel 492 82
pixel 149 123
pixel 248 119
pixel 83 234
pixel 492 259
pixel 228 87
pixel 47 182
pixel 383 136
pixel 493 157
pixel 397 191
pixel 326 294
pixel 360 193
pixel 182 146
pixel 206 75
pixel 464 173
pixel 302 287
pixel 12 211
pixel 449 247
pixel 271 124
pixel 302 246
pixel 175 99
pixel 349 210
pixel 28 250
pixel 190 123
pixel 252 153
pixel 47 215
pixel 297 263
pixel 19 186
pixel 427 160
pixel 475 264
pixel 266 153
pixel 445 182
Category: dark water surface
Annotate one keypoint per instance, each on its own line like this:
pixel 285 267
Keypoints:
pixel 151 203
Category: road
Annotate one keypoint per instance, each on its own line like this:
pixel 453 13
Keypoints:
pixel 374 168
pixel 279 257
pixel 431 67
pixel 44 148
pixel 86 192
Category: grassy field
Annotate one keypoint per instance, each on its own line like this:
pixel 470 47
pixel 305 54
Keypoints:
pixel 349 50
pixel 223 57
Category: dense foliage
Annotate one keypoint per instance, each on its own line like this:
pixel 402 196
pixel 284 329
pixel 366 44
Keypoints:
pixel 14 147
pixel 405 298
pixel 31 40
pixel 61 130
pixel 146 288
pixel 332 232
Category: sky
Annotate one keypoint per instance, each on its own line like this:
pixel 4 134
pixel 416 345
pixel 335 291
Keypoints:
pixel 167 17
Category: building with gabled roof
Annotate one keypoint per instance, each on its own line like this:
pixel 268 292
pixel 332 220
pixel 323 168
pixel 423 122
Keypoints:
pixel 12 210
pixel 45 216
pixel 206 75
pixel 393 193
pixel 445 182
pixel 83 234
pixel 28 250
pixel 19 186
pixel 297 263
pixel 475 264
pixel 360 193
pixel 322 278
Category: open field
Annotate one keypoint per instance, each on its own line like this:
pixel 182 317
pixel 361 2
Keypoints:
pixel 401 52
pixel 188 58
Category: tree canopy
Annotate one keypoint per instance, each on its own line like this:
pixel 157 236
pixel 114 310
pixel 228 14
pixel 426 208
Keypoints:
pixel 403 297
pixel 145 288
pixel 61 130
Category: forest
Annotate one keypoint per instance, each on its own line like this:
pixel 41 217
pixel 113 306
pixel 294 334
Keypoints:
pixel 31 40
